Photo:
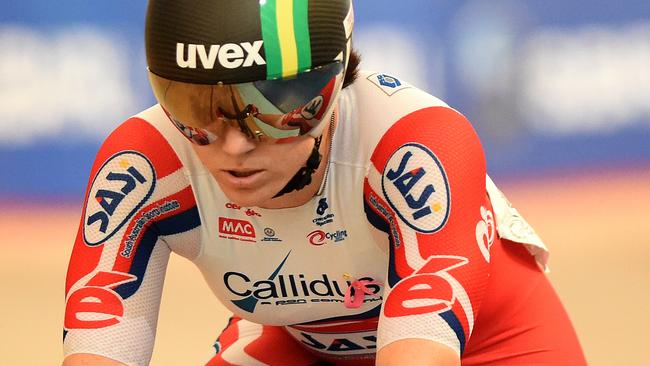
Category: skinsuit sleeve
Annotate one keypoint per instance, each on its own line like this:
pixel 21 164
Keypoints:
pixel 426 189
pixel 137 196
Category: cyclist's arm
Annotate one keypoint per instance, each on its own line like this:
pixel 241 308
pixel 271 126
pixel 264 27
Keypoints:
pixel 138 199
pixel 421 352
pixel 85 359
pixel 426 190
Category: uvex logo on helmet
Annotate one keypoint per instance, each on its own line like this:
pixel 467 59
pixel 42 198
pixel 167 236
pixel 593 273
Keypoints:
pixel 229 55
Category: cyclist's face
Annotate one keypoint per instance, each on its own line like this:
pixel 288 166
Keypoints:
pixel 249 171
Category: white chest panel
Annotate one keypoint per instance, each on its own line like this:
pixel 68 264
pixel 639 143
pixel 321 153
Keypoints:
pixel 288 266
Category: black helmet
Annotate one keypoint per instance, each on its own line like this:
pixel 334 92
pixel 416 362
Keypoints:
pixel 274 66
pixel 235 41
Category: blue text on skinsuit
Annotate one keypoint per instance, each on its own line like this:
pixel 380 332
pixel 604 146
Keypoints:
pixel 405 181
pixel 178 223
pixel 414 185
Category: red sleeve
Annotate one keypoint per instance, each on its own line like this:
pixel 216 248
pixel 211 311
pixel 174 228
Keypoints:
pixel 426 190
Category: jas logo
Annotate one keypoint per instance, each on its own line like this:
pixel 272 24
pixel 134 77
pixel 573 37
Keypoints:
pixel 122 185
pixel 229 55
pixel 236 229
pixel 416 186
pixel 338 344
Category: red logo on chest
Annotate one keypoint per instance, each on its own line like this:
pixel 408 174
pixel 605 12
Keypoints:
pixel 236 227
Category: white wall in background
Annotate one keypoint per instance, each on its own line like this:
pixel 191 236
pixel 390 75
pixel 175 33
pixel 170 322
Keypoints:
pixel 389 49
pixel 72 83
pixel 592 79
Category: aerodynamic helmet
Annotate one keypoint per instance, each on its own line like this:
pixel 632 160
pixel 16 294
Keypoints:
pixel 273 67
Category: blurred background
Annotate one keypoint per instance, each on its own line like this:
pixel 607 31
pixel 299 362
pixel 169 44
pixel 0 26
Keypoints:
pixel 559 93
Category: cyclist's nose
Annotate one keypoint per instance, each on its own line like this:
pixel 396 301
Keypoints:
pixel 236 142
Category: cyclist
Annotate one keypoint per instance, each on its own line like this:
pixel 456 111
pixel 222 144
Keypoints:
pixel 361 230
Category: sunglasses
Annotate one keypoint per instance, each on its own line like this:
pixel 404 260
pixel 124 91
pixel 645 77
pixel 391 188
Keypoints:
pixel 265 109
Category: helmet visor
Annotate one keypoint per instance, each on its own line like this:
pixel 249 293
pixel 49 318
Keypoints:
pixel 274 109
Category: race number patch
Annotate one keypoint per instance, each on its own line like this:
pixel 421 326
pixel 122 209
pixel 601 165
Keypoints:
pixel 416 186
pixel 122 185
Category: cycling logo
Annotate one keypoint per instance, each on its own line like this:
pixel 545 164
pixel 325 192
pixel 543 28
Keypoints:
pixel 320 237
pixel 323 217
pixel 416 187
pixel 388 84
pixel 281 289
pixel 236 229
pixel 269 235
pixel 120 188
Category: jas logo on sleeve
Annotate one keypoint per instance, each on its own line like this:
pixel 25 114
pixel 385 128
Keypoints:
pixel 416 187
pixel 122 185
pixel 229 55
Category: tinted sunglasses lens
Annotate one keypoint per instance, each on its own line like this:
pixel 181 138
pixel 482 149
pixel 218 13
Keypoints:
pixel 272 108
pixel 198 136
pixel 295 106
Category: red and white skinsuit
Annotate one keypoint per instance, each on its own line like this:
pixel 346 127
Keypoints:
pixel 405 206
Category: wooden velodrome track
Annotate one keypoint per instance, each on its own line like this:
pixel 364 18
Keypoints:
pixel 597 227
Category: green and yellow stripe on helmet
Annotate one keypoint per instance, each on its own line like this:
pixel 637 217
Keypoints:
pixel 285 29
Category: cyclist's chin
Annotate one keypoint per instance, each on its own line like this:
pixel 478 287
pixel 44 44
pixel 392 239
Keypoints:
pixel 249 195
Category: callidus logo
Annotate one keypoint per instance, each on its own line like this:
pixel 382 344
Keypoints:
pixel 289 289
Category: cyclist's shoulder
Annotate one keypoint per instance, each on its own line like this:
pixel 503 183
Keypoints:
pixel 138 177
pixel 384 109
pixel 143 137
pixel 383 92
pixel 376 101
pixel 141 129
